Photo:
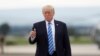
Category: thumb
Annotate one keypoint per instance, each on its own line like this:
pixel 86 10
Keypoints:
pixel 34 29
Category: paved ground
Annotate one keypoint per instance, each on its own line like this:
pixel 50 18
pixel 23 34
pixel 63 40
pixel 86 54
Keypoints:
pixel 33 55
pixel 29 50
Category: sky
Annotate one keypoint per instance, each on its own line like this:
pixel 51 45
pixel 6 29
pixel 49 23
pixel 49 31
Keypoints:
pixel 17 4
pixel 25 12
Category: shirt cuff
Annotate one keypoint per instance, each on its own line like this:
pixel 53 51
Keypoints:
pixel 32 38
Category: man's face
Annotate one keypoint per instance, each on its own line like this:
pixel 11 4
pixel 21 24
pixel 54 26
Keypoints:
pixel 48 14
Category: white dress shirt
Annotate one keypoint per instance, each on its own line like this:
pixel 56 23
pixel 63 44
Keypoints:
pixel 53 31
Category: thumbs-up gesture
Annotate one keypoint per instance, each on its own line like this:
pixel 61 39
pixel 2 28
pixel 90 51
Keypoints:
pixel 33 33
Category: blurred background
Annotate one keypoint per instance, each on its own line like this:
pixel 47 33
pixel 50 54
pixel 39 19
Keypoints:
pixel 81 16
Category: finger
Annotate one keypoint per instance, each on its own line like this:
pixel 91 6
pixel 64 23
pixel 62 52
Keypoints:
pixel 31 33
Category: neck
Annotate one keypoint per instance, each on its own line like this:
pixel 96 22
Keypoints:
pixel 49 20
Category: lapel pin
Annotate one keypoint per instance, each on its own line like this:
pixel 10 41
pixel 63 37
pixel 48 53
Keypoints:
pixel 57 24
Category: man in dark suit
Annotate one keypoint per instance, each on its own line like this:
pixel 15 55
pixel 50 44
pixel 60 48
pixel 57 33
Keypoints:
pixel 50 35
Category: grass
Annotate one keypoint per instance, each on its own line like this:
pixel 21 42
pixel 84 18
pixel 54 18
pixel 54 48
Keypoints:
pixel 19 40
pixel 81 40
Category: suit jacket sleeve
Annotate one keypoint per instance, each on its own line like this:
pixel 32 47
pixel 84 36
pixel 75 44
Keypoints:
pixel 66 42
pixel 35 40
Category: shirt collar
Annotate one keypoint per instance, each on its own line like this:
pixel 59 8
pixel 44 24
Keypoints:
pixel 52 21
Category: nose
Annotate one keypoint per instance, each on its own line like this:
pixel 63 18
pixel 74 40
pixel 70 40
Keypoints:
pixel 47 14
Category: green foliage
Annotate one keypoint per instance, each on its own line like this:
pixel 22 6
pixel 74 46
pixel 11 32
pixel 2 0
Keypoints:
pixel 81 40
pixel 16 41
pixel 73 39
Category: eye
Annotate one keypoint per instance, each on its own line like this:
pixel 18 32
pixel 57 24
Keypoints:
pixel 47 12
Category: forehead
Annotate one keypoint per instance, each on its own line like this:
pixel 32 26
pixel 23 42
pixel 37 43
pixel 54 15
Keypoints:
pixel 48 8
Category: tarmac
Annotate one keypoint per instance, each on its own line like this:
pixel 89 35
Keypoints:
pixel 29 50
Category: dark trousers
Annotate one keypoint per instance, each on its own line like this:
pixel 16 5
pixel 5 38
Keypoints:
pixel 54 54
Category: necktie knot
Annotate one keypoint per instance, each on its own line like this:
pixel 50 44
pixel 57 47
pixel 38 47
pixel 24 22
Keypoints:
pixel 49 23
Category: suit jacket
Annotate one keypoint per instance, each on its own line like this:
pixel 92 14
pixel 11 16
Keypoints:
pixel 61 39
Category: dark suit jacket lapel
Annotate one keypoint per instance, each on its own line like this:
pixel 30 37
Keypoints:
pixel 56 30
pixel 44 28
pixel 45 32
